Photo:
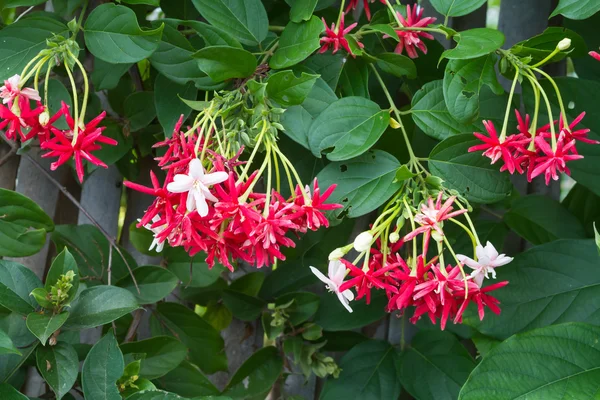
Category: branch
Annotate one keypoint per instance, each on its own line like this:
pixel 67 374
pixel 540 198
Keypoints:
pixel 12 152
pixel 73 200
pixel 137 318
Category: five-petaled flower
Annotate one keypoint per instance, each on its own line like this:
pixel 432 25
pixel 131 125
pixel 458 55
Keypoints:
pixel 336 274
pixel 12 89
pixel 487 260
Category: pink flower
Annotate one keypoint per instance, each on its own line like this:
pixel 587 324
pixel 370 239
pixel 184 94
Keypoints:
pixel 595 54
pixel 411 40
pixel 496 149
pixel 335 37
pixel 11 90
pixel 554 161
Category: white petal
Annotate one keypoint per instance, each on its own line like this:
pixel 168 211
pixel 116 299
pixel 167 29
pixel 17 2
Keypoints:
pixel 469 262
pixel 201 204
pixel 478 279
pixel 181 183
pixel 501 260
pixel 321 277
pixel 190 204
pixel 215 177
pixel 344 302
pixel 491 251
pixel 196 169
pixel 479 251
pixel 160 246
pixel 31 94
pixel 348 294
pixel 209 196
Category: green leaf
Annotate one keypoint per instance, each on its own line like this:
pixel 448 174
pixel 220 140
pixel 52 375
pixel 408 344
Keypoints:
pixel 350 126
pixel 63 263
pixel 100 305
pixel 169 107
pixel 484 344
pixel 102 367
pixel 187 380
pixel 17 241
pixel 297 42
pixel 7 346
pixel 585 205
pixel 161 395
pixel 463 80
pixel 569 356
pixel 113 154
pixel 204 342
pixel 180 9
pixel 217 315
pixel 397 65
pixel 435 366
pixel 287 89
pixel 256 376
pixel 302 10
pixel 332 316
pixel 536 298
pixel 576 9
pixel 246 20
pixel 66 8
pixel 112 34
pixel 475 43
pixel 21 210
pixel 154 283
pixel 597 237
pixel 44 325
pixel 192 271
pixel 23 40
pixel 540 219
pixel 213 36
pixel 369 371
pixel 470 174
pixel 141 239
pixel 541 46
pixel 304 306
pixel 456 8
pixel 242 306
pixel 139 110
pixel 328 65
pixel 363 183
pixel 106 75
pixel 7 392
pixel 161 354
pixel 58 365
pixel 155 3
pixel 223 62
pixel 385 29
pixel 16 283
pixel 354 78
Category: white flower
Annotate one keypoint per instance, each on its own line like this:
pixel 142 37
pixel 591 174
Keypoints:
pixel 336 254
pixel 196 183
pixel 337 273
pixel 10 90
pixel 487 259
pixel 156 243
pixel 564 44
pixel 394 237
pixel 363 241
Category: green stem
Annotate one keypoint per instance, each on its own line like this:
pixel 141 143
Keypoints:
pixel 473 240
pixel 337 24
pixel 34 59
pixel 412 224
pixel 509 105
pixel 75 104
pixel 269 173
pixel 244 172
pixel 560 100
pixel 50 65
pixel 276 28
pixel 86 89
pixel 548 107
pixel 548 58
pixel 459 265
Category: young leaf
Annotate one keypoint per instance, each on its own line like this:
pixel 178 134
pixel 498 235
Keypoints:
pixel 576 9
pixel 287 89
pixel 154 283
pixel 187 380
pixel 475 43
pixel 21 210
pixel 369 371
pixel 101 369
pixel 297 42
pixel 58 365
pixel 223 62
pixel 100 305
pixel 435 366
pixel 169 107
pixel 256 375
pixel 246 20
pixel 161 355
pixel 363 183
pixel 350 126
pixel 6 345
pixel 456 8
pixel 569 356
pixel 16 283
pixel 44 325
pixel 112 34
pixel 63 263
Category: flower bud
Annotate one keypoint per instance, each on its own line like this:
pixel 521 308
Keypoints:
pixel 363 241
pixel 394 124
pixel 564 44
pixel 44 117
pixel 435 235
pixel 394 237
pixel 336 254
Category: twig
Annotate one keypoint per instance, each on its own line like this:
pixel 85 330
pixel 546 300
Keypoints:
pixel 12 152
pixel 109 271
pixel 137 78
pixel 23 14
pixel 73 200
pixel 137 318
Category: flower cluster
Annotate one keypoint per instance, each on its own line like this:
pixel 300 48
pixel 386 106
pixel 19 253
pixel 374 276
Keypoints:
pixel 409 35
pixel 208 202
pixel 439 290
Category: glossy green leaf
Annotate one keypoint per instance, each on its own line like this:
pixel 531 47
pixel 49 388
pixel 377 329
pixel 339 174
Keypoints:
pixel 328 65
pixel 8 392
pixel 349 127
pixel 187 380
pixel 246 20
pixel 59 366
pixel 435 366
pixel 297 42
pixel 100 305
pixel 397 65
pixel 44 325
pixel 154 3
pixel 66 8
pixel 354 78
pixel 161 354
pixel 23 40
pixel 541 46
pixel 302 10
pixel 212 35
pixel 370 370
pixel 547 363
pixel 191 271
pixel 475 43
pixel 470 174
pixel 162 395
pixel 456 8
pixel 18 241
pixel 540 219
pixel 19 209
pixel 20 3
pixel 180 9
pixel 154 283
pixel 576 9
pixel 463 80
pixel 204 342
pixel 256 376
pixel 535 297
pixel 6 345
pixel 242 306
pixel 112 33
pixel 288 89
pixel 218 316
pixel 106 75
pixel 169 107
pixel 223 62
pixel 363 183
pixel 102 367
pixel 585 206
pixel 16 283
pixel 332 315
pixel 61 265
pixel 139 110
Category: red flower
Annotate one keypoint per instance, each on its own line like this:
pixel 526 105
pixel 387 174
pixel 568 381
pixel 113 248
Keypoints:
pixel 311 212
pixel 595 54
pixel 579 134
pixel 352 4
pixel 554 161
pixel 363 281
pixel 496 149
pixel 480 297
pixel 15 117
pixel 411 40
pixel 88 139
pixel 335 37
